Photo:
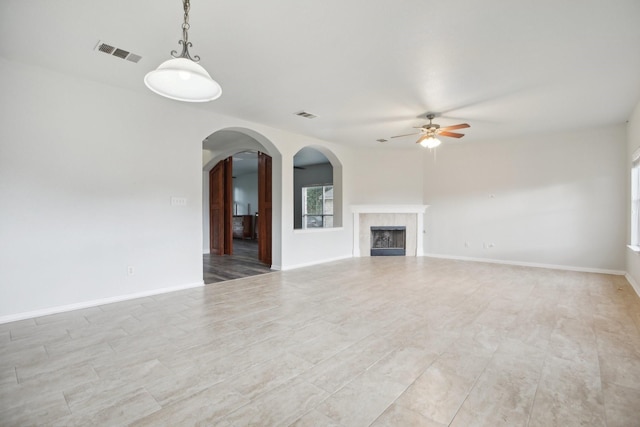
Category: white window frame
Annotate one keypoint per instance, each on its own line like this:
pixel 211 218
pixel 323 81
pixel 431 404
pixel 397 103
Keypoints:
pixel 634 238
pixel 304 205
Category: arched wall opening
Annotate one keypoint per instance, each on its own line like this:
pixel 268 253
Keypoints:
pixel 225 143
pixel 317 188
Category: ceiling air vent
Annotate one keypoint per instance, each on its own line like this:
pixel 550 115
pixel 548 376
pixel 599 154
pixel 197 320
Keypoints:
pixel 117 52
pixel 133 58
pixel 120 53
pixel 305 114
pixel 103 47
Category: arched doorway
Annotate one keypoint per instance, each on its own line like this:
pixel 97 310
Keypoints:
pixel 224 211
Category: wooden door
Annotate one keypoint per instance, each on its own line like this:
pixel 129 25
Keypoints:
pixel 264 208
pixel 220 203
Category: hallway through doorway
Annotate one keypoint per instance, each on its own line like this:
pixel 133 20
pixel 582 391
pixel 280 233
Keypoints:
pixel 243 263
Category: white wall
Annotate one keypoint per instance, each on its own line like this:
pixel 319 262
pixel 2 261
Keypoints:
pixel 87 172
pixel 387 176
pixel 86 178
pixel 554 199
pixel 633 143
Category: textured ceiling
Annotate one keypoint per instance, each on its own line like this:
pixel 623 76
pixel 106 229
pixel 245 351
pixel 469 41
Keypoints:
pixel 367 69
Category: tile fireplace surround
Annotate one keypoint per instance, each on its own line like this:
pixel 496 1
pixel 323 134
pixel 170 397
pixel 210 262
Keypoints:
pixel 410 216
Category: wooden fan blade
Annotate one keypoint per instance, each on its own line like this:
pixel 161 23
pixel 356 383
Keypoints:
pixel 407 134
pixel 451 134
pixel 454 127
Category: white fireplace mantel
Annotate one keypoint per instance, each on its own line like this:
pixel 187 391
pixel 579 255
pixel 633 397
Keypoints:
pixel 418 210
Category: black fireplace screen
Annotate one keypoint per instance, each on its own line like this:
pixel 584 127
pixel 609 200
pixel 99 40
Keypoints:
pixel 388 241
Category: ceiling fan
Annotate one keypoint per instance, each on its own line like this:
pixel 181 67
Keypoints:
pixel 429 131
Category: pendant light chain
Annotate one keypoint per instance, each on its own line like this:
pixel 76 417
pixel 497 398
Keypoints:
pixel 186 44
pixel 185 25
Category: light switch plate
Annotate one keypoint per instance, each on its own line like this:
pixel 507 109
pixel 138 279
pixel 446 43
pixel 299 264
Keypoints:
pixel 178 201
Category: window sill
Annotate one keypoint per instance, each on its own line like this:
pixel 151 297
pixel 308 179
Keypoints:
pixel 635 249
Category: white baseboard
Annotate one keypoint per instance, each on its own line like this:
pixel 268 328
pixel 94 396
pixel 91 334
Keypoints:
pixel 94 303
pixel 530 264
pixel 309 264
pixel 633 283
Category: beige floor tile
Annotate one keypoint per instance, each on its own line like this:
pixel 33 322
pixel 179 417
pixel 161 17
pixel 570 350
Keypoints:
pixel 397 415
pixel 618 344
pixel 18 324
pixel 363 400
pixel 8 376
pixel 26 405
pixel 146 342
pixel 572 339
pixel 135 372
pixel 621 405
pixel 404 364
pixel 282 406
pixel 504 392
pixel 622 371
pixel 314 419
pixel 327 344
pixel 39 334
pixel 77 351
pixel 335 372
pixel 444 386
pixel 68 319
pixel 266 376
pixel 56 377
pixel 383 340
pixel 119 405
pixel 180 384
pixel 208 407
pixel 569 393
pixel 14 353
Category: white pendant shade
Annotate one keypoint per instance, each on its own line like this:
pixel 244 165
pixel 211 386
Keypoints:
pixel 183 80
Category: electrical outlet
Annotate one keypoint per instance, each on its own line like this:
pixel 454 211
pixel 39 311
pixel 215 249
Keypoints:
pixel 131 271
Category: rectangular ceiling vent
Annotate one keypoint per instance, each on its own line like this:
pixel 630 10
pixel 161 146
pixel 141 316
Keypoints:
pixel 117 52
pixel 133 58
pixel 305 114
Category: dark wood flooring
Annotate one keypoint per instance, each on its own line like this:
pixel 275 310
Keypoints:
pixel 243 263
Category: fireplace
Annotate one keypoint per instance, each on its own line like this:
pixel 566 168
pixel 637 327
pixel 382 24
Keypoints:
pixel 388 241
pixel 367 216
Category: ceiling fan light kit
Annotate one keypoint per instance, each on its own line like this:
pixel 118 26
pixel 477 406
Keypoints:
pixel 429 141
pixel 429 132
pixel 182 78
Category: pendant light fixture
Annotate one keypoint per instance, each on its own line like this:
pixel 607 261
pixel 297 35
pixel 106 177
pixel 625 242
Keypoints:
pixel 182 78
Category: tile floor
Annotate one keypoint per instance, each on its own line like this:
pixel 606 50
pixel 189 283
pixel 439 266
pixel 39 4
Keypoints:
pixel 387 341
pixel 243 263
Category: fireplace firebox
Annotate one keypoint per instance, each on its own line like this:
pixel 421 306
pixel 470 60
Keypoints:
pixel 388 241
